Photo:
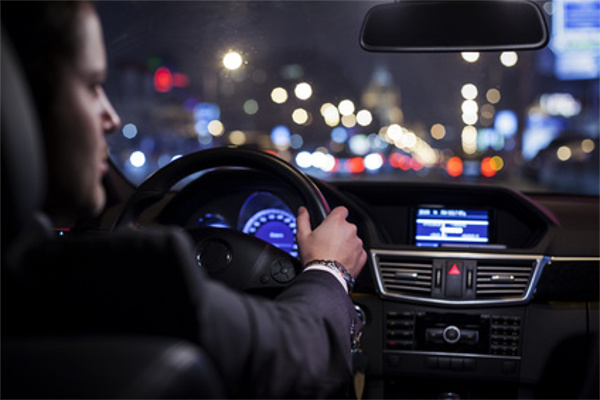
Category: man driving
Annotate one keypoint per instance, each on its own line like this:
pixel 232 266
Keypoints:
pixel 295 345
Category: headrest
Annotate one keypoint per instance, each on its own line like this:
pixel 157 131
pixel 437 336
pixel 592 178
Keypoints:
pixel 23 172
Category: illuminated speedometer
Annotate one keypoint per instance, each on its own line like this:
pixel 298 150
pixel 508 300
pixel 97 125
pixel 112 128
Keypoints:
pixel 275 226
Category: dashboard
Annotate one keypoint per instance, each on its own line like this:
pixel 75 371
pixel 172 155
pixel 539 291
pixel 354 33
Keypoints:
pixel 246 201
pixel 469 289
pixel 262 214
pixel 477 291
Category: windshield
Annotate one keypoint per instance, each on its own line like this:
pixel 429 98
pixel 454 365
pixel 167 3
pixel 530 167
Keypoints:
pixel 290 77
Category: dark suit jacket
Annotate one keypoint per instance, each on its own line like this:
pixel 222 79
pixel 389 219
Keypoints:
pixel 297 345
pixel 131 283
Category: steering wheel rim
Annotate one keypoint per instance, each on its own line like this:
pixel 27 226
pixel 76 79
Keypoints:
pixel 158 184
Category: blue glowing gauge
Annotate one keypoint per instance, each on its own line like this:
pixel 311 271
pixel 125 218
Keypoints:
pixel 275 226
pixel 213 220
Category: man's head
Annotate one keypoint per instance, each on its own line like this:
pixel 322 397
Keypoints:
pixel 62 51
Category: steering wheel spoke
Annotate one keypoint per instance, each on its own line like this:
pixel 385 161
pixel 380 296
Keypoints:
pixel 241 261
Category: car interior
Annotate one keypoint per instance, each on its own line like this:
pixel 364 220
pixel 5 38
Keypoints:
pixel 471 289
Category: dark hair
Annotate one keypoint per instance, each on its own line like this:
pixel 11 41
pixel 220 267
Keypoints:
pixel 45 36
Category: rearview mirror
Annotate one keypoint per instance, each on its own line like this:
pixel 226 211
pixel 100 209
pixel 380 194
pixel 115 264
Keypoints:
pixel 454 25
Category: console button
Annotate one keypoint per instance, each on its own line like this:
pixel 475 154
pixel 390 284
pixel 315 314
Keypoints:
pixel 444 363
pixel 399 334
pixel 456 364
pixel 469 336
pixel 470 364
pixel 431 362
pixel 434 335
pixel 454 280
pixel 400 344
pixel 393 360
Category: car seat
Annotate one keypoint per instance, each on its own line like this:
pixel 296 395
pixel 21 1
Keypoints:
pixel 108 316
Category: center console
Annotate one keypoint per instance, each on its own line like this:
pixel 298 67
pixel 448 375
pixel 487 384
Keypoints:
pixel 456 347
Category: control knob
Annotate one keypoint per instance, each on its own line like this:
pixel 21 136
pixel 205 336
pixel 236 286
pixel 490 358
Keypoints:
pixel 451 334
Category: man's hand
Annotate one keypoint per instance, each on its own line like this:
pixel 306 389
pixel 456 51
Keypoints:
pixel 335 239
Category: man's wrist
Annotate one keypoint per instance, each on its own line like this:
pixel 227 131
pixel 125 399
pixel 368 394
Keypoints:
pixel 337 268
pixel 335 273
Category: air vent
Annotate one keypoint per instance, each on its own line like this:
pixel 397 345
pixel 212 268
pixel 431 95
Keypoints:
pixel 484 278
pixel 503 278
pixel 405 275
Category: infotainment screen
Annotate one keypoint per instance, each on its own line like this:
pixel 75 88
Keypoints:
pixel 435 227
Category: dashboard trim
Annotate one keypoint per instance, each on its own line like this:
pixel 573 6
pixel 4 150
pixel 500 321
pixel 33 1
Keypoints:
pixel 540 262
pixel 447 354
pixel 574 259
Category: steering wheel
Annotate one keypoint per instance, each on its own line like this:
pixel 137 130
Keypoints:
pixel 241 261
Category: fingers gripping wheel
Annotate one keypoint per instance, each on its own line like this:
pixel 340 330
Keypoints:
pixel 241 261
